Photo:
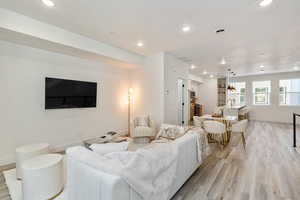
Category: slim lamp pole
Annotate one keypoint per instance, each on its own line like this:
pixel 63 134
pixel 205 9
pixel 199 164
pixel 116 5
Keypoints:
pixel 130 92
pixel 129 113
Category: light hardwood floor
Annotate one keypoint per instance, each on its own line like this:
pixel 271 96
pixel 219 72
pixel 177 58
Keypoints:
pixel 268 169
pixel 4 194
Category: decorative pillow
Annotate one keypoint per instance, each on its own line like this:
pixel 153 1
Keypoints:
pixel 170 133
pixel 181 129
pixel 142 121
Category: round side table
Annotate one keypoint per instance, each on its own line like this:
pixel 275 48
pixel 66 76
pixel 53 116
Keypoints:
pixel 24 153
pixel 42 177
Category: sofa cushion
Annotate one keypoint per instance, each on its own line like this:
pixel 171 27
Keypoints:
pixel 170 132
pixel 103 149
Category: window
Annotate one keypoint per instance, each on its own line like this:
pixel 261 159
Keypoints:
pixel 289 92
pixel 261 92
pixel 238 96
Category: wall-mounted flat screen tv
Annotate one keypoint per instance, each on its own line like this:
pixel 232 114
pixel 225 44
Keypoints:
pixel 62 93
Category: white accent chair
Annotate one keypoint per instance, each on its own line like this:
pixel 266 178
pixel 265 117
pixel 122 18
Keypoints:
pixel 43 177
pixel 142 133
pixel 240 127
pixel 24 153
pixel 216 132
pixel 198 121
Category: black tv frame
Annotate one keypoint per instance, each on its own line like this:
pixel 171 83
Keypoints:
pixel 47 107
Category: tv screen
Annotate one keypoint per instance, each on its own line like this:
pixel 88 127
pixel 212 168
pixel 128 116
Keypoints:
pixel 61 93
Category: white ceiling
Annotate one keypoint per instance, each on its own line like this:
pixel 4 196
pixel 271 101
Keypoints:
pixel 254 35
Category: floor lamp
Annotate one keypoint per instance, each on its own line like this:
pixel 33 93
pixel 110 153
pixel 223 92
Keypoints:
pixel 130 94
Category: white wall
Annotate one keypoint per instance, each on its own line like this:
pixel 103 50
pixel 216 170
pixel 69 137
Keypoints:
pixel 273 112
pixel 195 78
pixel 23 117
pixel 174 69
pixel 208 95
pixel 148 84
pixel 155 87
pixel 194 86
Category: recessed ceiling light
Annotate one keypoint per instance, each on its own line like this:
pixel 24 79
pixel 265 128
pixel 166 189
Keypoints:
pixel 140 44
pixel 186 28
pixel 204 72
pixel 296 68
pixel 193 66
pixel 223 61
pixel 265 3
pixel 261 66
pixel 221 30
pixel 211 76
pixel 48 3
pixel 262 71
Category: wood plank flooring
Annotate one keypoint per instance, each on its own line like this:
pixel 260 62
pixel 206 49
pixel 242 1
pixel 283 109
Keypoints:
pixel 4 194
pixel 268 169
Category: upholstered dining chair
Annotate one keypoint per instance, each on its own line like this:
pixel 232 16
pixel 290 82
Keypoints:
pixel 216 132
pixel 198 121
pixel 230 112
pixel 240 127
pixel 244 113
pixel 219 110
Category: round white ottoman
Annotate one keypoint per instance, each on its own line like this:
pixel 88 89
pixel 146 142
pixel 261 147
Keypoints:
pixel 42 177
pixel 27 152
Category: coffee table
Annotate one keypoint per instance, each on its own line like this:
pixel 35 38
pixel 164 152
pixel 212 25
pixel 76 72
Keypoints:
pixel 103 140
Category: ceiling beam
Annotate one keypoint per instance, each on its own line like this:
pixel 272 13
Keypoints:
pixel 39 34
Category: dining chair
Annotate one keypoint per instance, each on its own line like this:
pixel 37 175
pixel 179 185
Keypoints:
pixel 216 132
pixel 244 113
pixel 219 110
pixel 230 112
pixel 240 127
pixel 198 121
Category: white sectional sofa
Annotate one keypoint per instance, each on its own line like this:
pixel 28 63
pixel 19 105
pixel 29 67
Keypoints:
pixel 87 183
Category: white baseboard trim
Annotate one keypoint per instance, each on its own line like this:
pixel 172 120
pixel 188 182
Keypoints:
pixel 6 160
pixel 10 158
pixel 63 147
pixel 276 122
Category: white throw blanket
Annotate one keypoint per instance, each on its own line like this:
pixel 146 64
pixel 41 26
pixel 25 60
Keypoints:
pixel 150 172
pixel 203 149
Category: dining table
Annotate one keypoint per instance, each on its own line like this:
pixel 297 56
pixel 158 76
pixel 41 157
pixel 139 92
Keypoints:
pixel 223 118
pixel 227 120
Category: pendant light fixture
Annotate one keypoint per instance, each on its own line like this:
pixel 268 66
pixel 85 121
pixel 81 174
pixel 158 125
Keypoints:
pixel 229 86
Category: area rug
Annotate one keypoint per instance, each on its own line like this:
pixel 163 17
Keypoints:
pixel 15 186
